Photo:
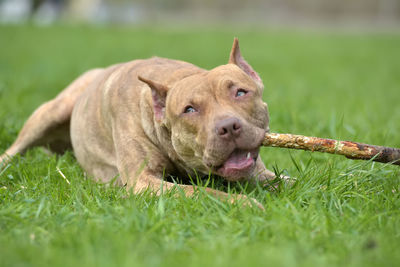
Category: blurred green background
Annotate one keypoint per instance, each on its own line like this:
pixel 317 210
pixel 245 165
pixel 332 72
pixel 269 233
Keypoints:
pixel 342 13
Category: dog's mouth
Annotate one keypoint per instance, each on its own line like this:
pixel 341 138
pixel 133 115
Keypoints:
pixel 238 165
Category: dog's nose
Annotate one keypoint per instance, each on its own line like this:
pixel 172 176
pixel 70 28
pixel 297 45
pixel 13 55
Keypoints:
pixel 228 128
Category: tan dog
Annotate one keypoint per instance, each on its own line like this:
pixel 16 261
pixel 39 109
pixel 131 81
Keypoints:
pixel 146 119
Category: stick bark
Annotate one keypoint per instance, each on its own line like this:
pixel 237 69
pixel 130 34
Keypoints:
pixel 351 150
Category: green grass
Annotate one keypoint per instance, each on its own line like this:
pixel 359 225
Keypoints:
pixel 340 212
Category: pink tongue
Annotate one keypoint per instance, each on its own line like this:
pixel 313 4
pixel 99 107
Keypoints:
pixel 238 161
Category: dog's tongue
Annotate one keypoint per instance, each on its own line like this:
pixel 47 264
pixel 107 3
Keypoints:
pixel 237 162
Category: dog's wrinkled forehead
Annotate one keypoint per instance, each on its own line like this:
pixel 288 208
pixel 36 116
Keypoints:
pixel 208 86
pixel 230 73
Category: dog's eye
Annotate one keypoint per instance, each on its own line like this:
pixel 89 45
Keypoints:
pixel 240 92
pixel 189 109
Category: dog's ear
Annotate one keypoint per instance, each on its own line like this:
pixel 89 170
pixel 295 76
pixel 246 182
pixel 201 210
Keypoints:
pixel 237 59
pixel 159 95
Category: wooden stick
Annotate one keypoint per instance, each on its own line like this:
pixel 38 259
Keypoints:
pixel 351 150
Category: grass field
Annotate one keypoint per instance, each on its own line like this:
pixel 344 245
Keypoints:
pixel 339 212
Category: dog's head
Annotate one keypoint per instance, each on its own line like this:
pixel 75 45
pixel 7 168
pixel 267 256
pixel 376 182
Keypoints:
pixel 217 119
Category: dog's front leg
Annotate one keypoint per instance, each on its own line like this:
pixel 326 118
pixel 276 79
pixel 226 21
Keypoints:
pixel 149 180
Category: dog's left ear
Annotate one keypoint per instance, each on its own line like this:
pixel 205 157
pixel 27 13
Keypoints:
pixel 159 95
pixel 237 59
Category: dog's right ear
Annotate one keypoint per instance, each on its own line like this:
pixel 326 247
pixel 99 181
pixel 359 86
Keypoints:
pixel 159 95
pixel 236 58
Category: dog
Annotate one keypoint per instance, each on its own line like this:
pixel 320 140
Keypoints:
pixel 137 122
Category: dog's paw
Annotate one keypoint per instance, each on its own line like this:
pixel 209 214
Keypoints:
pixel 287 180
pixel 274 184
